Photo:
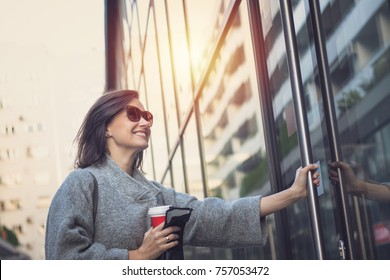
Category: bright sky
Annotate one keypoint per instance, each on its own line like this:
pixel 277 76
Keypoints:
pixel 61 40
pixel 68 27
pixel 47 22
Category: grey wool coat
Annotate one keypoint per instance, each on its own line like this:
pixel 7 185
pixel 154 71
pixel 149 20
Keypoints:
pixel 122 216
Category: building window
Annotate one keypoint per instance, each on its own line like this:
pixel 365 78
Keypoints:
pixel 242 94
pixel 9 154
pixel 7 130
pixel 35 127
pixel 5 103
pixel 42 228
pixel 13 204
pixel 29 246
pixel 235 61
pixel 39 152
pixel 17 229
pixel 29 220
pixel 11 179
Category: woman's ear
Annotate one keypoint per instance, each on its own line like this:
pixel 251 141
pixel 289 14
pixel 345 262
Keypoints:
pixel 108 133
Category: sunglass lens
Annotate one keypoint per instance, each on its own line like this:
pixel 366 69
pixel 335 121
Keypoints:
pixel 133 114
pixel 148 116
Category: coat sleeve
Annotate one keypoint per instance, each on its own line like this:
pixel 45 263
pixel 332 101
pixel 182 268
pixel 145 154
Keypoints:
pixel 70 225
pixel 218 223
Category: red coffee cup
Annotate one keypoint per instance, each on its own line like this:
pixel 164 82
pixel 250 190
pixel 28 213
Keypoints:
pixel 157 214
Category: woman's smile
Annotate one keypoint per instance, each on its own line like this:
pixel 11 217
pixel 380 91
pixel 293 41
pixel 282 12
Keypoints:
pixel 141 133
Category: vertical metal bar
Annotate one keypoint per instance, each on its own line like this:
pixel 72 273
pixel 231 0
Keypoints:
pixel 176 98
pixel 196 109
pixel 359 225
pixel 301 119
pixel 142 43
pixel 264 91
pixel 331 122
pixel 129 57
pixel 188 41
pixel 142 74
pixel 130 45
pixel 162 91
pixel 114 49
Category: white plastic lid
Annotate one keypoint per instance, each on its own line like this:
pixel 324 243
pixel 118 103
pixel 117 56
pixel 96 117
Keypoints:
pixel 158 210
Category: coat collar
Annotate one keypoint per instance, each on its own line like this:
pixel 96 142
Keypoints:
pixel 138 184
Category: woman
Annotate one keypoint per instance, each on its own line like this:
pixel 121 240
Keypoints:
pixel 111 141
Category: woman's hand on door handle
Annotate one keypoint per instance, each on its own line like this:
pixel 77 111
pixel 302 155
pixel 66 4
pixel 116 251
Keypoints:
pixel 298 190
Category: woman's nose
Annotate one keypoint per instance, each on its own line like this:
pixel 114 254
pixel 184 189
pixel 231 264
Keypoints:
pixel 143 122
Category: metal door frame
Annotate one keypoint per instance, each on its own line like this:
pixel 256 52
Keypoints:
pixel 301 121
pixel 268 121
pixel 275 175
pixel 331 125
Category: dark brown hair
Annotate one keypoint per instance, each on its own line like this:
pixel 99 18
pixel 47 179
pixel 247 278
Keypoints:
pixel 91 138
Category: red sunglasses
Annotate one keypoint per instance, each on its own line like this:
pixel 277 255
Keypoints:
pixel 134 114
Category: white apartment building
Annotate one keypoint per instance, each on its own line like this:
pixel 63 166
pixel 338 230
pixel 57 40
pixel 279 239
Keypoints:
pixel 39 117
pixel 232 125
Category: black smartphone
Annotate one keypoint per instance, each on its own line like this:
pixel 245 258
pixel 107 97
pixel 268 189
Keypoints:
pixel 176 216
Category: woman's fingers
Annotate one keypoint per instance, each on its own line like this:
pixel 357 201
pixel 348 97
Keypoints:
pixel 332 172
pixel 169 245
pixel 310 166
pixel 315 175
pixel 169 230
pixel 158 240
pixel 171 237
pixel 166 235
pixel 316 178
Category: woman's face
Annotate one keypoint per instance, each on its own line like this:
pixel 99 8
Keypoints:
pixel 125 135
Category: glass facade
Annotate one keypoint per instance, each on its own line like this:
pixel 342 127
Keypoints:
pixel 226 124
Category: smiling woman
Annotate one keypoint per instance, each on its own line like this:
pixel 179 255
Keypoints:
pixel 102 131
pixel 128 134
pixel 109 196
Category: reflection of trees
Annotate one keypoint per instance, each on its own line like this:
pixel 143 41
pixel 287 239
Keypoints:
pixel 253 174
pixel 216 192
pixel 287 143
pixel 352 97
pixel 379 69
pixel 255 178
pixel 9 236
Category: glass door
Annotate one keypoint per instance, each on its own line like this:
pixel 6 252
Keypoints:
pixel 356 40
pixel 327 82
pixel 305 239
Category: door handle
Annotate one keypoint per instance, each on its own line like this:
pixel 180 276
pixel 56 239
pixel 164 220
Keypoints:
pixel 342 249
